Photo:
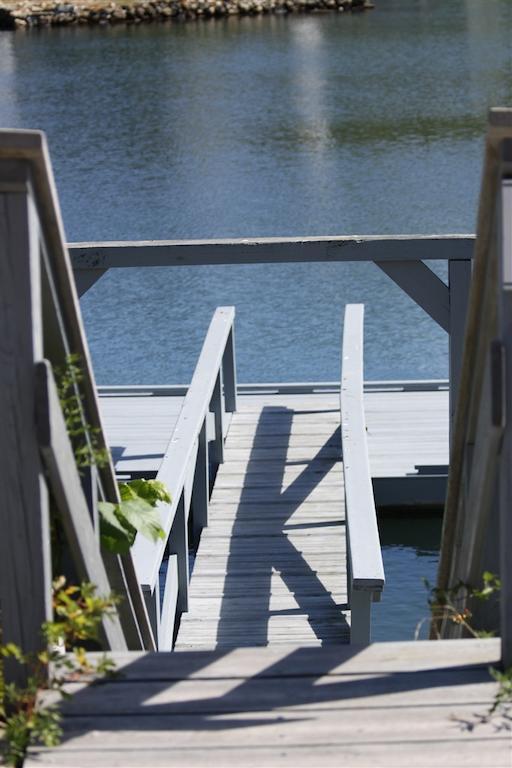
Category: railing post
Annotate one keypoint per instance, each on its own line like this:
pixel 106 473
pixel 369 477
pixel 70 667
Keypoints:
pixel 25 562
pixel 178 545
pixel 200 489
pixel 360 612
pixel 459 281
pixel 89 483
pixel 217 406
pixel 229 371
pixel 152 600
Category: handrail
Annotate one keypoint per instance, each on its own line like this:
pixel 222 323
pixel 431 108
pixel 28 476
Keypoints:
pixel 477 448
pixel 184 470
pixel 92 259
pixel 38 298
pixel 365 571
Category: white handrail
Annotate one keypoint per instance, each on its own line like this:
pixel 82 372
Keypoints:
pixel 213 388
pixel 365 570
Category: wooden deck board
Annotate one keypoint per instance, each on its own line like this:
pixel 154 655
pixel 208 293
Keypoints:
pixel 313 557
pixel 406 430
pixel 385 706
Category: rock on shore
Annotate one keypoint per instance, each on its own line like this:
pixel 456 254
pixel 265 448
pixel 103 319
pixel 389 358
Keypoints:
pixel 28 15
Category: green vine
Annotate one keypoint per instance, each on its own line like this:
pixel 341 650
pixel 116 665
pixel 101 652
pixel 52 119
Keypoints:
pixel 451 605
pixel 25 719
pixel 85 438
pixel 136 512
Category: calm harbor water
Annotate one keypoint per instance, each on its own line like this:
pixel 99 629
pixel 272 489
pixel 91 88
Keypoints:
pixel 321 124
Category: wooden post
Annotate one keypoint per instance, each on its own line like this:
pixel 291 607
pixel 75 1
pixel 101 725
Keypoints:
pixel 360 613
pixel 200 490
pixel 229 371
pixel 217 407
pixel 459 280
pixel 178 545
pixel 25 562
pixel 152 600
pixel 505 533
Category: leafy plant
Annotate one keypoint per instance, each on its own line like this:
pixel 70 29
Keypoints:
pixel 84 437
pixel 119 523
pixel 451 605
pixel 24 717
pixel 136 512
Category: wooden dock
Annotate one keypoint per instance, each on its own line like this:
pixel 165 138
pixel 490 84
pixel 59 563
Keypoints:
pixel 271 562
pixel 390 705
pixel 407 427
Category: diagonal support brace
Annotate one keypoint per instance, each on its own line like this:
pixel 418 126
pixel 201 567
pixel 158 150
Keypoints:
pixel 423 286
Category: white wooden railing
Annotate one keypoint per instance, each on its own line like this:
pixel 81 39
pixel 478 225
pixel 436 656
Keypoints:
pixel 403 258
pixel 365 571
pixel 477 529
pixel 41 327
pixel 196 447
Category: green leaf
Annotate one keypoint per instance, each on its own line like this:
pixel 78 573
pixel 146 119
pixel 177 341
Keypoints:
pixel 143 517
pixel 116 535
pixel 151 491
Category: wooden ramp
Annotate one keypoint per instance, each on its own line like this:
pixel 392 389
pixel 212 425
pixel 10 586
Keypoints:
pixel 389 705
pixel 271 565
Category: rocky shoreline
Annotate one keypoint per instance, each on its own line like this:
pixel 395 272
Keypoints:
pixel 30 15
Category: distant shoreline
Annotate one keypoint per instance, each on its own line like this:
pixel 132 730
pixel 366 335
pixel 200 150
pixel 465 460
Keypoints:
pixel 36 15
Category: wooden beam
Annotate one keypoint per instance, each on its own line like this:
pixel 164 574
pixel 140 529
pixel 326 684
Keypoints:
pixel 100 256
pixel 86 278
pixel 67 492
pixel 25 562
pixel 423 286
pixel 459 281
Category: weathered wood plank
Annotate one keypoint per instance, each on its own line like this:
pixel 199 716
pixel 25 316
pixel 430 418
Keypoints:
pixel 69 497
pixel 378 658
pixel 25 562
pixel 107 255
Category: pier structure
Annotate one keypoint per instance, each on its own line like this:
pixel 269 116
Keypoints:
pixel 246 632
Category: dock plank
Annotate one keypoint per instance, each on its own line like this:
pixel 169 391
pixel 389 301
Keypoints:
pixel 387 705
pixel 310 561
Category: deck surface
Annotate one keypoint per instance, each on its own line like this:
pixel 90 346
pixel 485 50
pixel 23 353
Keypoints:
pixel 390 705
pixel 407 431
pixel 270 567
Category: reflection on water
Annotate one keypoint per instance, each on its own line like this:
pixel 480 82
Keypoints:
pixel 310 124
pixel 410 551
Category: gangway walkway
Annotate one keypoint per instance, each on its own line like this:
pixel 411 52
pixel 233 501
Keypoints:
pixel 271 563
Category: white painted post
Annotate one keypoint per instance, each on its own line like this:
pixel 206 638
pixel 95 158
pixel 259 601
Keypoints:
pixel 152 600
pixel 229 371
pixel 25 562
pixel 200 490
pixel 217 406
pixel 459 281
pixel 360 613
pixel 178 545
